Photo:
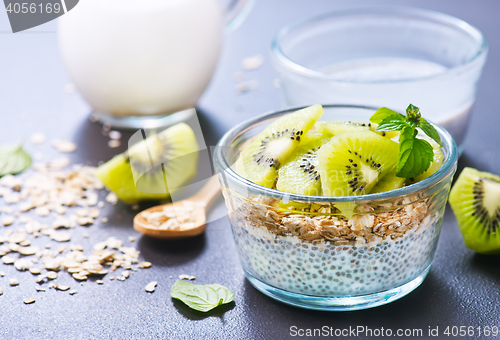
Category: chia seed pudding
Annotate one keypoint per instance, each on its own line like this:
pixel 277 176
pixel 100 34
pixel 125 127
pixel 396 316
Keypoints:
pixel 313 252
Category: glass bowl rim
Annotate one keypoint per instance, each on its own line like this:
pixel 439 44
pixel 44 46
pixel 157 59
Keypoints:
pixel 417 13
pixel 221 164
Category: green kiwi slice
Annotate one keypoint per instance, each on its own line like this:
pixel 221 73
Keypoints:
pixel 300 174
pixel 267 151
pixel 475 200
pixel 389 182
pixel 174 152
pixel 352 163
pixel 334 128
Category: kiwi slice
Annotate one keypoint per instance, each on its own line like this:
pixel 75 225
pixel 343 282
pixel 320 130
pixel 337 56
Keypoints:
pixel 351 163
pixel 388 134
pixel 160 163
pixel 267 151
pixel 475 200
pixel 334 128
pixel 300 174
pixel 389 182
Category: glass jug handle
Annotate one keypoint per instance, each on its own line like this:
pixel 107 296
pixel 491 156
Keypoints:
pixel 236 12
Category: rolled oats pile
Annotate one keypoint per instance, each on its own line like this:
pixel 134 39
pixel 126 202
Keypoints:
pixel 49 203
pixel 319 223
pixel 178 217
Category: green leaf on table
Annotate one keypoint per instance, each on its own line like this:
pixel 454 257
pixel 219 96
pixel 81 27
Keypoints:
pixel 415 155
pixel 429 130
pixel 392 123
pixel 13 160
pixel 201 297
pixel 383 113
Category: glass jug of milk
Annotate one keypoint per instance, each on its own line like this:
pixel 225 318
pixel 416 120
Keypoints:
pixel 135 61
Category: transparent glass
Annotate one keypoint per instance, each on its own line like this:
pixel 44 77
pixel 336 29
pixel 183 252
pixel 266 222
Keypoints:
pixel 384 56
pixel 302 251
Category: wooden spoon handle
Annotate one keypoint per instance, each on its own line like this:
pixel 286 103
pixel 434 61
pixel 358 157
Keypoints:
pixel 209 191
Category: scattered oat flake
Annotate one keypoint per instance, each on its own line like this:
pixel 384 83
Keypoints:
pixel 13 282
pixel 35 271
pixel 150 287
pixel 38 138
pixel 113 134
pixel 253 62
pixel 28 301
pixel 7 259
pixel 23 264
pixel 1 291
pixel 51 275
pixel 114 143
pixel 7 220
pixel 100 282
pixel 126 274
pixel 63 146
pixel 17 238
pixel 192 278
pixel 111 278
pixel 60 236
pixel 72 292
pixel 112 198
pixel 40 289
pixel 2 274
pixel 86 235
pixel 62 287
pixel 31 250
pixel 104 220
pixel 100 204
pixel 131 238
pixel 184 277
pixel 145 264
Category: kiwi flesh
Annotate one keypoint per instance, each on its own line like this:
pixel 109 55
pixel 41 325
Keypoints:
pixel 475 200
pixel 352 163
pixel 334 128
pixel 300 174
pixel 263 156
pixel 153 167
pixel 389 182
pixel 388 134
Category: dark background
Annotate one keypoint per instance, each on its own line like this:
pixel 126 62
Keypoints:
pixel 462 288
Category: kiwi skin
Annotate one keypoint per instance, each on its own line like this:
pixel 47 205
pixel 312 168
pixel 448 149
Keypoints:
pixel 479 225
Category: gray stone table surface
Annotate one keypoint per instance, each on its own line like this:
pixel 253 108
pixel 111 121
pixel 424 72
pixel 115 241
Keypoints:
pixel 462 288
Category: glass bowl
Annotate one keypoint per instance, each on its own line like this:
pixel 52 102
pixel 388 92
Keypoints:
pixel 384 56
pixel 300 250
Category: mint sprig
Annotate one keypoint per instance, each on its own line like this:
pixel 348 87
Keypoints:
pixel 415 155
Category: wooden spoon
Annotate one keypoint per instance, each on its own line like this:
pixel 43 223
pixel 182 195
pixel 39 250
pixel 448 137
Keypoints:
pixel 201 201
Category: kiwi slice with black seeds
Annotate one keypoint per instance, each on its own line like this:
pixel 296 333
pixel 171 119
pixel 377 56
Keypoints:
pixel 334 128
pixel 267 151
pixel 300 174
pixel 389 182
pixel 475 200
pixel 352 163
pixel 154 167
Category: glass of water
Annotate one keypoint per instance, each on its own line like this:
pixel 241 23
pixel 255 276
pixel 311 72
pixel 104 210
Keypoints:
pixel 384 56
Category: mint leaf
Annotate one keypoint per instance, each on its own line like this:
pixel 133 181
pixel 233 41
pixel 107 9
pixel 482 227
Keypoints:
pixel 13 160
pixel 429 130
pixel 415 155
pixel 392 123
pixel 383 113
pixel 201 297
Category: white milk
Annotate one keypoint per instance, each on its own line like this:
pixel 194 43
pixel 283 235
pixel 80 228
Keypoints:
pixel 141 57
